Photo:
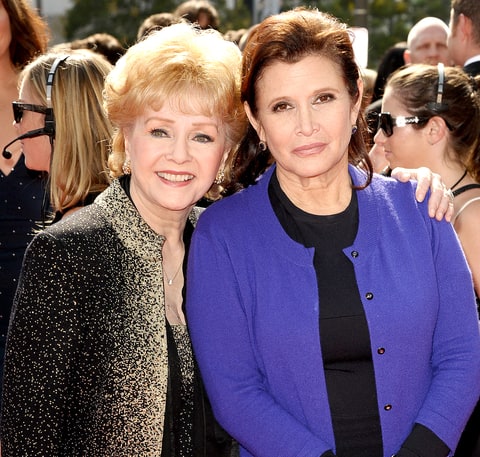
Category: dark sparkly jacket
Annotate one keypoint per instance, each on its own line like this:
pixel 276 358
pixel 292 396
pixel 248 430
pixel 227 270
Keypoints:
pixel 86 368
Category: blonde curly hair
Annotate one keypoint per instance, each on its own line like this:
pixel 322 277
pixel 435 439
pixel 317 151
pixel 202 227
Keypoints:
pixel 195 69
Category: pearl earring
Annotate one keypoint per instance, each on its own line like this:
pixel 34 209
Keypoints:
pixel 126 168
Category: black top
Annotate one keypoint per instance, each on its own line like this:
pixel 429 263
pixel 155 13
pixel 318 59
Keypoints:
pixel 463 189
pixel 21 198
pixel 344 333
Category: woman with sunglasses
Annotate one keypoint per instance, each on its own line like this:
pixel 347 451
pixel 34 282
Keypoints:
pixel 63 128
pixel 431 117
pixel 329 314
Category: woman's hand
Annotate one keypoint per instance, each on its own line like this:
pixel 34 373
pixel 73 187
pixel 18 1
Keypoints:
pixel 440 203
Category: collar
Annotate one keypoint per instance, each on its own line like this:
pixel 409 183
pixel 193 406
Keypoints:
pixel 472 60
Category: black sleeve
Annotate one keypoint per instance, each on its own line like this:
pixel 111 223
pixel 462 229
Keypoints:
pixel 328 454
pixel 40 352
pixel 422 442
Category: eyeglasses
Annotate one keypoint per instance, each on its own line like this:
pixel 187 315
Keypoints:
pixel 386 122
pixel 19 108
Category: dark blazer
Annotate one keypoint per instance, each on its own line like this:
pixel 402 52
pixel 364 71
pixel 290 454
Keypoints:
pixel 472 69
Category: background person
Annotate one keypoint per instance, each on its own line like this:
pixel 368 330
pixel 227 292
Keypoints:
pixel 156 21
pixel 73 149
pixel 464 35
pixel 327 335
pixel 446 103
pixel 200 12
pixel 103 43
pixel 24 35
pixel 427 42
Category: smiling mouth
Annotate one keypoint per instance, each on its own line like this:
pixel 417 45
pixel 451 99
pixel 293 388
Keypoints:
pixel 174 177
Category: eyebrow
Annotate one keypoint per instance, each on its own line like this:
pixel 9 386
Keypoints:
pixel 172 121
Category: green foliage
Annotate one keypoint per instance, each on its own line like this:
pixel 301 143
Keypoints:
pixel 388 20
pixel 233 19
pixel 121 18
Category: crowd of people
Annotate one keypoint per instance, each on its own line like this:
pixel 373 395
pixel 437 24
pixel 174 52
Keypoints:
pixel 217 252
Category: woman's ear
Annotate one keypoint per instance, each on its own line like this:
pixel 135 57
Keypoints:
pixel 254 122
pixel 436 130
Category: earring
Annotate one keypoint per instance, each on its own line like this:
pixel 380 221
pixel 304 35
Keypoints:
pixel 220 177
pixel 354 129
pixel 126 168
pixel 262 146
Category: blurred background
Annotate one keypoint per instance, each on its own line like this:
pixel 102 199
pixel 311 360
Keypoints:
pixel 387 21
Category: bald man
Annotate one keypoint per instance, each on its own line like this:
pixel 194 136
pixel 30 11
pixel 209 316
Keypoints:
pixel 427 42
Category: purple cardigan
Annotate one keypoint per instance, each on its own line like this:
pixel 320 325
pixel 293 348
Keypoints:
pixel 252 307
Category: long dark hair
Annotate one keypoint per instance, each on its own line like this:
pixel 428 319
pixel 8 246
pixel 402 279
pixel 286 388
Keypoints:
pixel 30 32
pixel 416 87
pixel 289 37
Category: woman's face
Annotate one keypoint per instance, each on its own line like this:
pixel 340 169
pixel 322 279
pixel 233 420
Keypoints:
pixel 174 158
pixel 305 115
pixel 405 148
pixel 37 151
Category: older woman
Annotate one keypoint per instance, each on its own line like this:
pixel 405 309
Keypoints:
pixel 98 357
pixel 329 314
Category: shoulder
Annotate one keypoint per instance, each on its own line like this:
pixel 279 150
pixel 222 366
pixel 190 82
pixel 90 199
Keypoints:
pixel 392 203
pixel 468 213
pixel 81 234
pixel 77 224
pixel 392 194
pixel 238 209
pixel 467 201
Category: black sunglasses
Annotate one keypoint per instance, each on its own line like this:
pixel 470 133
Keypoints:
pixel 20 107
pixel 386 122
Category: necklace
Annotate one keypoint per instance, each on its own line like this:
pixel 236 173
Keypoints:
pixel 170 280
pixel 459 181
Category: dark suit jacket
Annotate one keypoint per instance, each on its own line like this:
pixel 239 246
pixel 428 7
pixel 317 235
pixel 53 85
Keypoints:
pixel 472 69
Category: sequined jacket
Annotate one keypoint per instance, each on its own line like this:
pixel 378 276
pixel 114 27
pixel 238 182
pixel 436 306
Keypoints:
pixel 86 367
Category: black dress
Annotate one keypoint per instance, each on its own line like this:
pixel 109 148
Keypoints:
pixel 21 198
